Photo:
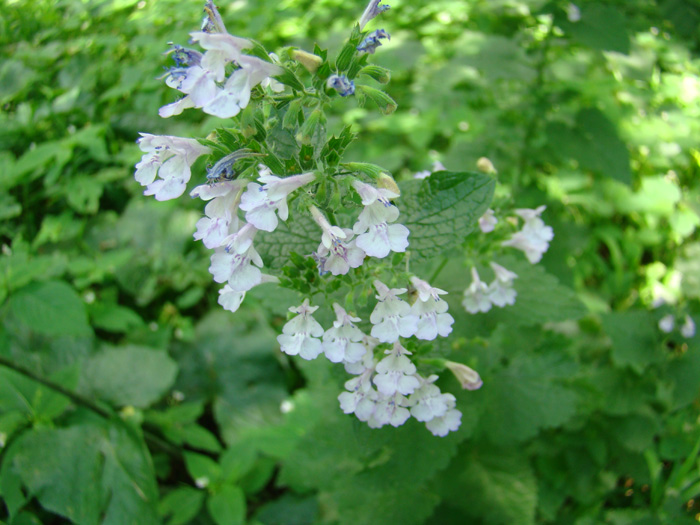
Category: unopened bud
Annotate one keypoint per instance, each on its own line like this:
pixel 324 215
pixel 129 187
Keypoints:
pixel 468 377
pixel 484 165
pixel 387 182
pixel 310 61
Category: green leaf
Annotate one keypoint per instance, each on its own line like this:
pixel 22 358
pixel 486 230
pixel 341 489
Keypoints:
pixel 51 308
pixel 35 401
pixel 600 27
pixel 491 486
pixel 101 475
pixel 129 375
pixel 442 210
pixel 300 235
pixel 181 505
pixel 202 469
pixel 594 143
pixel 635 339
pixel 114 318
pixel 541 298
pixel 525 397
pixel 227 506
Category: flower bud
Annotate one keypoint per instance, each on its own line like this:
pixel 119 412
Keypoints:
pixel 310 61
pixel 484 165
pixel 378 73
pixel 468 377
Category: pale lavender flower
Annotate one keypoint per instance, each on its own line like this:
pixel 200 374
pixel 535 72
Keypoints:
pixel 501 290
pixel 372 41
pixel 391 316
pixel 428 402
pixel 396 372
pixel 533 239
pixel 375 235
pixel 373 9
pixel 688 327
pixel 300 334
pixel 433 319
pixel 341 342
pixel 341 84
pixel 476 296
pixel 666 323
pixel 441 426
pixel 261 202
pixel 169 158
pixel 488 221
pixel 234 262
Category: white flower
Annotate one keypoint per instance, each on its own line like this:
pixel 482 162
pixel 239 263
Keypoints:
pixel 381 238
pixel 233 263
pixel 488 221
pixel 476 296
pixel 261 202
pixel 300 334
pixel 361 398
pixel 222 49
pixel 441 426
pixel 688 328
pixel 230 299
pixel 501 290
pixel 427 402
pixel 372 10
pixel 396 372
pixel 196 82
pixel 169 158
pixel 431 311
pixel 534 237
pixel 341 342
pixel 391 317
pixel 389 410
pixel 235 94
pixel 666 323
pixel 437 166
pixel 573 13
pixel 336 253
pixel 221 219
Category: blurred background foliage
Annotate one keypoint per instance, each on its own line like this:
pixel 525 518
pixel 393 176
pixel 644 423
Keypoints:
pixel 128 396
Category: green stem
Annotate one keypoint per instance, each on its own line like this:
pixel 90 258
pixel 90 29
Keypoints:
pixel 107 413
pixel 437 271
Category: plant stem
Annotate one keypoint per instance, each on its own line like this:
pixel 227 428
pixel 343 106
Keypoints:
pixel 437 271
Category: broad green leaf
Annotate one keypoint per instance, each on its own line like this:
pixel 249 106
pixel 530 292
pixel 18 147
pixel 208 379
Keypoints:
pixel 491 486
pixel 442 210
pixel 600 27
pixel 289 510
pixel 35 401
pixel 525 397
pixel 181 505
pixel 51 308
pixel 101 475
pixel 129 375
pixel 594 143
pixel 635 339
pixel 113 317
pixel 684 372
pixel 227 506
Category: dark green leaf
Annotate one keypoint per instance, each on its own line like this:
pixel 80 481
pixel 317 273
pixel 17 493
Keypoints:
pixel 227 506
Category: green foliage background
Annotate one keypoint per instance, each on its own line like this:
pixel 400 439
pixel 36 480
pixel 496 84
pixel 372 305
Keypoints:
pixel 157 406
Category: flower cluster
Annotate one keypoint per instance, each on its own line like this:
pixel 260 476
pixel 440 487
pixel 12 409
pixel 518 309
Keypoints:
pixel 668 322
pixel 386 390
pixel 245 201
pixel 479 297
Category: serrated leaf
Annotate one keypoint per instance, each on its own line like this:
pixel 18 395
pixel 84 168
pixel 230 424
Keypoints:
pixel 491 486
pixel 227 506
pixel 101 475
pixel 525 397
pixel 129 375
pixel 635 339
pixel 300 235
pixel 442 210
pixel 51 308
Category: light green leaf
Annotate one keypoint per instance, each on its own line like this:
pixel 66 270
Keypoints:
pixel 525 397
pixel 442 210
pixel 51 308
pixel 227 506
pixel 202 469
pixel 635 339
pixel 181 505
pixel 35 401
pixel 600 27
pixel 113 317
pixel 129 375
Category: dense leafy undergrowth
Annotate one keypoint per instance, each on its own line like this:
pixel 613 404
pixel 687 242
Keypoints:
pixel 128 396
